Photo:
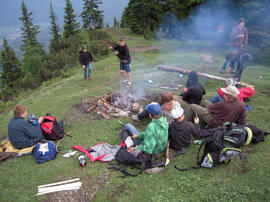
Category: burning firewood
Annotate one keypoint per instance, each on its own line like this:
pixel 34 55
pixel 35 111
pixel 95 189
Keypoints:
pixel 91 108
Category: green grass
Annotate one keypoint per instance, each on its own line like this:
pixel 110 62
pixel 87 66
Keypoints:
pixel 242 180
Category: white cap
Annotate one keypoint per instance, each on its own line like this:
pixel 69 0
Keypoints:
pixel 177 112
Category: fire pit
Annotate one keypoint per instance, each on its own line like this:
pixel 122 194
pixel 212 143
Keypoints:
pixel 114 105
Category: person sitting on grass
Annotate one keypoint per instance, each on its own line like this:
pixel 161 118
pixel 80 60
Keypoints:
pixel 155 138
pixel 229 110
pixel 244 93
pixel 167 103
pixel 26 133
pixel 180 131
pixel 21 132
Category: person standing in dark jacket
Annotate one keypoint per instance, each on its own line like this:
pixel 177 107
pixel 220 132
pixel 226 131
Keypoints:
pixel 180 131
pixel 21 132
pixel 86 60
pixel 122 52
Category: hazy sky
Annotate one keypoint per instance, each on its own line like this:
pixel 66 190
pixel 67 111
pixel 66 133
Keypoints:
pixel 10 10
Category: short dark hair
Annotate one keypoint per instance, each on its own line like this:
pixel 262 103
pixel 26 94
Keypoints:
pixel 241 20
pixel 122 38
pixel 19 110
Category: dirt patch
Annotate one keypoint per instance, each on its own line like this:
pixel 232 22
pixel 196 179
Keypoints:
pixel 141 49
pixel 86 193
pixel 207 58
pixel 239 164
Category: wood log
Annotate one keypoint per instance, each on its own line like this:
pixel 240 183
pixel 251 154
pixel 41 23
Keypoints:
pixel 186 71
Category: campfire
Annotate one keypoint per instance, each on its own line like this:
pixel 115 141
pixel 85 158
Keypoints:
pixel 114 105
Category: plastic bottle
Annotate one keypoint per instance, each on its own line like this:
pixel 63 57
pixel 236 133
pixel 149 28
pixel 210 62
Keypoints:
pixel 197 142
pixel 82 160
pixel 33 119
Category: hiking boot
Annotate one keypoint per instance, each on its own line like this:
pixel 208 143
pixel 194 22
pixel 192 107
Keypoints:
pixel 222 72
pixel 64 122
pixel 90 79
pixel 128 84
pixel 135 118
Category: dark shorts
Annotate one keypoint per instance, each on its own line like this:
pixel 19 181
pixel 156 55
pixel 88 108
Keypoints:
pixel 125 67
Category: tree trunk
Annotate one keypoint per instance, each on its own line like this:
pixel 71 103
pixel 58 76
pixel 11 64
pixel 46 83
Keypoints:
pixel 186 71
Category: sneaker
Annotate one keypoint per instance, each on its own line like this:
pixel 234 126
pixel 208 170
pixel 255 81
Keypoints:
pixel 135 118
pixel 89 78
pixel 128 84
pixel 124 81
pixel 222 72
pixel 84 78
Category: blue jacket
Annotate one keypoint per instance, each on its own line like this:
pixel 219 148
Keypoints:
pixel 22 133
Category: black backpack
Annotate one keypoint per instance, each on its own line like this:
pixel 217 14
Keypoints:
pixel 257 134
pixel 126 159
pixel 236 135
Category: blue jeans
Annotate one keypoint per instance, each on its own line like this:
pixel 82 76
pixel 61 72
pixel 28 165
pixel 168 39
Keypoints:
pixel 132 130
pixel 216 98
pixel 125 67
pixel 227 61
pixel 240 69
pixel 89 68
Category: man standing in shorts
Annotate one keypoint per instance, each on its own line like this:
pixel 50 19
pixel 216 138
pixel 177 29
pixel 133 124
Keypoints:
pixel 122 51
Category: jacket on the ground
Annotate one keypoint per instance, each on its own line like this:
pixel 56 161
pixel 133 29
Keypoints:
pixel 22 133
pixel 244 92
pixel 123 53
pixel 155 137
pixel 85 58
pixel 239 41
pixel 180 134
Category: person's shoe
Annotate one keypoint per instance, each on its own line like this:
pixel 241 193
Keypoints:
pixel 128 84
pixel 84 78
pixel 135 118
pixel 64 122
pixel 89 78
pixel 222 72
pixel 124 81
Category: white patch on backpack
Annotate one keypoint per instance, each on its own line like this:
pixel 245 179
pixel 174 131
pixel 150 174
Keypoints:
pixel 44 148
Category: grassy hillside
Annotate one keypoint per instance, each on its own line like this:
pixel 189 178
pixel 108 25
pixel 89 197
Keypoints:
pixel 247 179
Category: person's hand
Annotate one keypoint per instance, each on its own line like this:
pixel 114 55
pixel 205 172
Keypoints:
pixel 135 136
pixel 115 52
pixel 40 120
pixel 131 149
pixel 196 120
pixel 92 62
pixel 83 66
pixel 111 48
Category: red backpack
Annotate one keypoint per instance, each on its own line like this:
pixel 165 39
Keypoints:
pixel 51 128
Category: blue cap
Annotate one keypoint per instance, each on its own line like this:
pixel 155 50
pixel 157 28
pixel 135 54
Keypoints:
pixel 154 109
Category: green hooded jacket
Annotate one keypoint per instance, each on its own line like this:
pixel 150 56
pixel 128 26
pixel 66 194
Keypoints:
pixel 155 137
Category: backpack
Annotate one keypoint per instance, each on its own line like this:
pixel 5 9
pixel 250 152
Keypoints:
pixel 51 129
pixel 236 135
pixel 215 151
pixel 125 159
pixel 257 134
pixel 44 151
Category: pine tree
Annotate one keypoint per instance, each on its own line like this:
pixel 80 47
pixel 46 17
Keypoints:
pixel 11 68
pixel 29 31
pixel 71 27
pixel 107 25
pixel 91 16
pixel 123 23
pixel 115 22
pixel 55 29
pixel 144 16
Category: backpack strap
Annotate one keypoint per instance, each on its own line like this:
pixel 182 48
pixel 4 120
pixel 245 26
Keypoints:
pixel 123 168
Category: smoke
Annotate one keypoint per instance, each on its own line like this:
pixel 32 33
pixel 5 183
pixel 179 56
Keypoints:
pixel 198 42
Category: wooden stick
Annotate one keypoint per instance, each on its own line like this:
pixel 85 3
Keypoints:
pixel 63 182
pixel 167 153
pixel 186 71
